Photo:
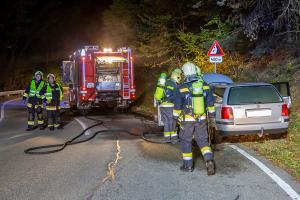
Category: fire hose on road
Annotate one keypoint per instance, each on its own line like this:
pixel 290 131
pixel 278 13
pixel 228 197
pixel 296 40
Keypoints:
pixel 54 148
pixel 155 138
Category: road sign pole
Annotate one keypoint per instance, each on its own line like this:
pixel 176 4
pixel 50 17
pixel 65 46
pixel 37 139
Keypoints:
pixel 215 68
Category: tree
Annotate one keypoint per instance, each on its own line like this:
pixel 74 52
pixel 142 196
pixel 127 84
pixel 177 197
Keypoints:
pixel 266 18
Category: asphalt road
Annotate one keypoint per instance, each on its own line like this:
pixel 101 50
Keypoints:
pixel 122 166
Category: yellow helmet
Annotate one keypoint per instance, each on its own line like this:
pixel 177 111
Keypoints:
pixel 176 75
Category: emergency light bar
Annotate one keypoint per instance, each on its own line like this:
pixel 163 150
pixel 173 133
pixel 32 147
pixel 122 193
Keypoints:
pixel 107 49
pixel 91 48
pixel 110 59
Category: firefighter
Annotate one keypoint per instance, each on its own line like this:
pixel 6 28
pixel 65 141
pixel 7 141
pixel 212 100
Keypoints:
pixel 193 100
pixel 164 94
pixel 34 101
pixel 52 94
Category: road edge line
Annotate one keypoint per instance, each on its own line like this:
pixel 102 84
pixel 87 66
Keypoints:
pixel 83 126
pixel 286 187
pixel 3 108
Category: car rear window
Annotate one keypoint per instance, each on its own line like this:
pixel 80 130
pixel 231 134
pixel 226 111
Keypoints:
pixel 253 95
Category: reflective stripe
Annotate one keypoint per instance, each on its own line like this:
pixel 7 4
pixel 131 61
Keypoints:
pixel 176 113
pixel 29 105
pixel 40 122
pixel 167 104
pixel 52 107
pixel 36 106
pixel 189 120
pixel 30 122
pixel 50 125
pixel 56 125
pixel 187 156
pixel 174 135
pixel 196 90
pixel 205 150
pixel 184 90
pixel 25 95
pixel 203 117
pixel 211 108
pixel 167 134
pixel 170 87
pixel 206 87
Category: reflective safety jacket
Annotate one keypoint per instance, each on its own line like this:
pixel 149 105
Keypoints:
pixel 52 95
pixel 32 92
pixel 169 98
pixel 186 98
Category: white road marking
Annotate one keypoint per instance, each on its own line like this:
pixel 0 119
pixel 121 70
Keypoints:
pixel 21 135
pixel 286 187
pixel 3 107
pixel 83 126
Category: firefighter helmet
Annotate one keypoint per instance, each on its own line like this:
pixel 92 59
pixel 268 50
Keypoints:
pixel 51 75
pixel 38 73
pixel 189 69
pixel 176 75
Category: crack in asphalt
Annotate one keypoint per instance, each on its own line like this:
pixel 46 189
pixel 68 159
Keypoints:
pixel 111 168
pixel 112 165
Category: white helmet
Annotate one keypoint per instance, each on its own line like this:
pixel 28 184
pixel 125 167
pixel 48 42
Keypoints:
pixel 51 75
pixel 189 69
pixel 38 73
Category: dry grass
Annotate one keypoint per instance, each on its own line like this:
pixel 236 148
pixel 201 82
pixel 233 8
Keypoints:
pixel 284 153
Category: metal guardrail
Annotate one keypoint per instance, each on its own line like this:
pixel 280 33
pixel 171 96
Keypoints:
pixel 15 92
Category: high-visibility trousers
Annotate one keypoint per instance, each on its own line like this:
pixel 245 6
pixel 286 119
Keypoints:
pixel 198 131
pixel 169 122
pixel 53 115
pixel 35 110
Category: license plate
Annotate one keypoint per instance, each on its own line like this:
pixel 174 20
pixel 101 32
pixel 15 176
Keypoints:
pixel 259 113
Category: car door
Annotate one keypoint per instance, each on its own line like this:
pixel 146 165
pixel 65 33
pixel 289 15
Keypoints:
pixel 284 89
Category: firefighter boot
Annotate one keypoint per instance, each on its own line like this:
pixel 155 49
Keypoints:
pixel 167 139
pixel 187 166
pixel 43 126
pixel 60 127
pixel 31 128
pixel 210 167
pixel 174 140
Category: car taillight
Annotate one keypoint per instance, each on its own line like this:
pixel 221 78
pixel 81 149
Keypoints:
pixel 284 111
pixel 227 113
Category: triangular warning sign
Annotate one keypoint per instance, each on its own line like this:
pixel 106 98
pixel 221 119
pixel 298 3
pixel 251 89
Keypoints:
pixel 215 50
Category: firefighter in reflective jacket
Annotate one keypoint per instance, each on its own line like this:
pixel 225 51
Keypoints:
pixel 193 100
pixel 52 94
pixel 34 101
pixel 165 94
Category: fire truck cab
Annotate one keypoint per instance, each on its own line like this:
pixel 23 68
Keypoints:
pixel 99 78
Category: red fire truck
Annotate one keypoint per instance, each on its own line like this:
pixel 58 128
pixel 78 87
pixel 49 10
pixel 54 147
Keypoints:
pixel 99 78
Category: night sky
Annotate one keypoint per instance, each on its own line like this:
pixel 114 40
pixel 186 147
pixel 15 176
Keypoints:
pixel 34 29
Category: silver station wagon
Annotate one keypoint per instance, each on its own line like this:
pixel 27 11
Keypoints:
pixel 249 108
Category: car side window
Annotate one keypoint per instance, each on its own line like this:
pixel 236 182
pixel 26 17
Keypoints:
pixel 219 94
